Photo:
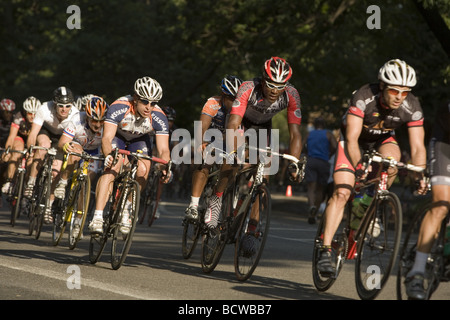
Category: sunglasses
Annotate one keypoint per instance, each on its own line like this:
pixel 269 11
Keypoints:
pixel 146 102
pixel 61 105
pixel 271 85
pixel 394 91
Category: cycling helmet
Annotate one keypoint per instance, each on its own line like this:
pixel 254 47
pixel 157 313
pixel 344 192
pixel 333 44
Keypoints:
pixel 277 70
pixel 7 105
pixel 397 73
pixel 148 89
pixel 63 95
pixel 230 85
pixel 96 108
pixel 81 101
pixel 31 104
pixel 170 113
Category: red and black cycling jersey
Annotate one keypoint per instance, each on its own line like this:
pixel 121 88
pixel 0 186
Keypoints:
pixel 380 121
pixel 257 111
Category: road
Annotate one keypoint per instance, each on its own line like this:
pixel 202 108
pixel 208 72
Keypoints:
pixel 155 270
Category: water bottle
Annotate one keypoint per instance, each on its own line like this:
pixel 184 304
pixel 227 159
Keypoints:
pixel 447 241
pixel 359 209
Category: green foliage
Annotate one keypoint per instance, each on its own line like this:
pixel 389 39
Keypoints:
pixel 189 46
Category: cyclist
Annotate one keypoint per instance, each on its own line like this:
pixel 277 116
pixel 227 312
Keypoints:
pixel 87 137
pixel 213 116
pixel 20 128
pixel 257 102
pixel 440 188
pixel 129 122
pixel 48 125
pixel 7 107
pixel 376 110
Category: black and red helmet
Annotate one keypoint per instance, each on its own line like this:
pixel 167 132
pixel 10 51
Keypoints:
pixel 277 70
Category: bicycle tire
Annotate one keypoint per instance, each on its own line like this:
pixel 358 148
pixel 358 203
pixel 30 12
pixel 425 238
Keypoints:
pixel 339 250
pixel 435 263
pixel 153 201
pixel 378 246
pixel 84 191
pixel 214 241
pixel 59 220
pixel 245 262
pixel 43 202
pixel 17 197
pixel 97 241
pixel 121 243
pixel 192 228
pixel 191 234
pixel 37 194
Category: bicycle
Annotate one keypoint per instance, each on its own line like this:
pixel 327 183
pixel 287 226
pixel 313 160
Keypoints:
pixel 193 228
pixel 151 195
pixel 125 187
pixel 244 219
pixel 73 208
pixel 40 199
pixel 438 266
pixel 15 193
pixel 375 243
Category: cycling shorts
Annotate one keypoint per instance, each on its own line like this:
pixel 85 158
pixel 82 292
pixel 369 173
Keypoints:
pixel 342 162
pixel 54 139
pixel 439 163
pixel 142 143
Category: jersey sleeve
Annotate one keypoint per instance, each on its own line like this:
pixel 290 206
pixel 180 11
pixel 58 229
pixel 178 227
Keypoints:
pixel 294 113
pixel 160 123
pixel 116 112
pixel 417 118
pixel 357 104
pixel 39 118
pixel 17 120
pixel 242 97
pixel 211 107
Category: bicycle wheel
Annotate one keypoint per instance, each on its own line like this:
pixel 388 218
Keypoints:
pixel 192 228
pixel 16 197
pixel 435 263
pixel 250 244
pixel 152 201
pixel 378 246
pixel 214 241
pixel 60 217
pixel 80 208
pixel 121 241
pixel 339 252
pixel 42 201
pixel 97 242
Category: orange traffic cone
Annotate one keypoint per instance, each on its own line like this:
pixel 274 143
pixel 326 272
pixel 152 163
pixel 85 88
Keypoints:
pixel 289 191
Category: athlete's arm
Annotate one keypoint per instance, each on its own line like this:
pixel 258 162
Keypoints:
pixel 109 132
pixel 353 131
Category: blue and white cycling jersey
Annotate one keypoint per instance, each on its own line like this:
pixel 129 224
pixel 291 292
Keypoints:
pixel 130 125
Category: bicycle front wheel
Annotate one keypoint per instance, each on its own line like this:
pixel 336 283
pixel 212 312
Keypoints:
pixel 378 246
pixel 59 220
pixel 435 264
pixel 252 234
pixel 17 197
pixel 80 208
pixel 42 203
pixel 123 230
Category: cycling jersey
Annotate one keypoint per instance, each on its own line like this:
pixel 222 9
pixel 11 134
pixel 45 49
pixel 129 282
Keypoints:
pixel 379 121
pixel 255 110
pixel 21 123
pixel 439 149
pixel 217 111
pixel 130 125
pixel 46 117
pixel 82 134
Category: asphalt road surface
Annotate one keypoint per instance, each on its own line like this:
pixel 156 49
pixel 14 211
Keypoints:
pixel 155 269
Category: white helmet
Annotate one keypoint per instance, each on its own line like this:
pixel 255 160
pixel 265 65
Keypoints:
pixel 397 73
pixel 81 101
pixel 31 104
pixel 148 89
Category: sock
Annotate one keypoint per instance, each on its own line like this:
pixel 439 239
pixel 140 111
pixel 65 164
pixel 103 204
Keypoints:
pixel 419 263
pixel 98 214
pixel 32 180
pixel 194 201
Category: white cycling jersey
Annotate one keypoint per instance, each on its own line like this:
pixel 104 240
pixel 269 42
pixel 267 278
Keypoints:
pixel 46 116
pixel 82 134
